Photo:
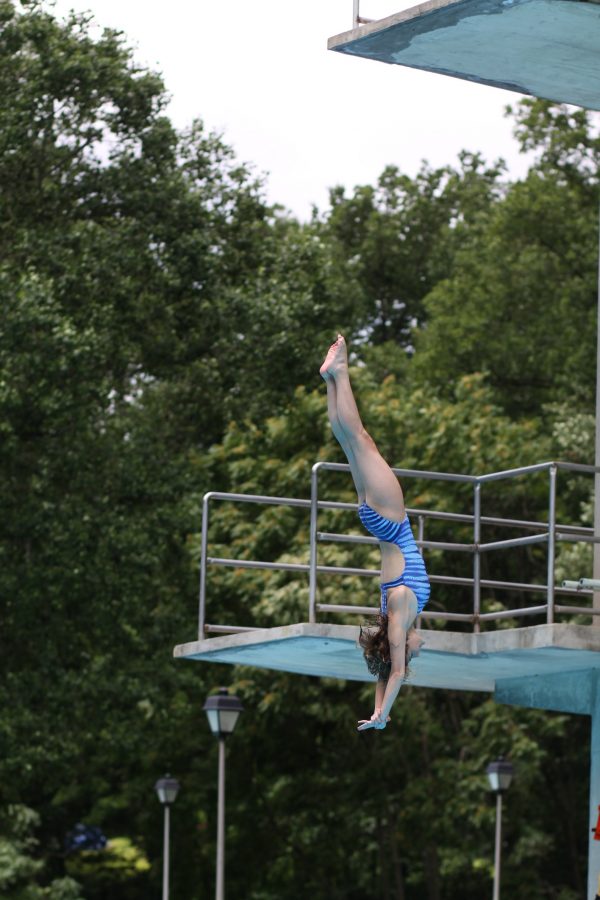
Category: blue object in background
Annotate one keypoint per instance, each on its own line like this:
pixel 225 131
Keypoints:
pixel 85 837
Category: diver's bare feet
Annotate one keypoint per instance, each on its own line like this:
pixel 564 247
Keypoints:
pixel 337 357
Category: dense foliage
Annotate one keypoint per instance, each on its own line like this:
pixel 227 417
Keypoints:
pixel 160 335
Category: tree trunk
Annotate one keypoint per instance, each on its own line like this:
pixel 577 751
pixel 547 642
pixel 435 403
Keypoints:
pixel 432 872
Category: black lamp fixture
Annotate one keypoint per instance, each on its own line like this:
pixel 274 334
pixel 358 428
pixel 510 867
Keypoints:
pixel 500 774
pixel 167 789
pixel 222 711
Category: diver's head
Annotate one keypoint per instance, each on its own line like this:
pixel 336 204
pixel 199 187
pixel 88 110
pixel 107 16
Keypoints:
pixel 376 648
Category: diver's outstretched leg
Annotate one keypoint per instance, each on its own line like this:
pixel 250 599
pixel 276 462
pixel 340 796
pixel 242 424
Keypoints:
pixel 341 437
pixel 373 477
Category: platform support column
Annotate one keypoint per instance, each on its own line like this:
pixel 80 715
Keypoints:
pixel 596 566
pixel 594 846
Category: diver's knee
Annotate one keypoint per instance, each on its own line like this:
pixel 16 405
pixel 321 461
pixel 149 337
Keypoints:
pixel 363 440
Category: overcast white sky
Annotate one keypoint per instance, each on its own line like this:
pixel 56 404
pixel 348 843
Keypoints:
pixel 259 71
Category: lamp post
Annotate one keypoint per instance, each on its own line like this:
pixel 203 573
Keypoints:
pixel 167 789
pixel 222 711
pixel 500 774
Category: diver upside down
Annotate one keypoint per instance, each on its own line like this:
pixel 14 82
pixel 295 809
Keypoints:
pixel 405 586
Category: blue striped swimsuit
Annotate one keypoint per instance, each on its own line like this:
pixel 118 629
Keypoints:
pixel 414 575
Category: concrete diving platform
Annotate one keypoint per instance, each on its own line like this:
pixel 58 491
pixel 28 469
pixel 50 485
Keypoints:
pixel 546 48
pixel 496 662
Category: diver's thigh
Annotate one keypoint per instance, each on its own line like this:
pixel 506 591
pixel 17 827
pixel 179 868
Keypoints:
pixel 382 488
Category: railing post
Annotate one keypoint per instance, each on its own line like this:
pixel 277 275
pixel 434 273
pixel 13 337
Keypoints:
pixel 421 533
pixel 203 555
pixel 596 551
pixel 420 538
pixel 551 544
pixel 355 14
pixel 312 571
pixel 476 557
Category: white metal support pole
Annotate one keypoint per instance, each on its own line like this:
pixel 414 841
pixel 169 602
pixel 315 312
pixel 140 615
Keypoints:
pixel 421 533
pixel 477 558
pixel 167 825
pixel 596 566
pixel 420 538
pixel 551 545
pixel 312 570
pixel 203 555
pixel 498 846
pixel 355 14
pixel 220 889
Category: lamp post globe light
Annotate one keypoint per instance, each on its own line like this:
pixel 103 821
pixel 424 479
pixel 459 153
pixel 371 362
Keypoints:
pixel 500 774
pixel 167 789
pixel 222 711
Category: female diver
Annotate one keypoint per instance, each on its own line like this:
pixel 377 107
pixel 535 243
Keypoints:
pixel 404 583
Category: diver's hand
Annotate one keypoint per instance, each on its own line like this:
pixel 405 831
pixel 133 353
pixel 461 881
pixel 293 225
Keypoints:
pixel 376 721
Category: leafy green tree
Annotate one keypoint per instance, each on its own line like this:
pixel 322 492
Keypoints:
pixel 19 867
pixel 565 140
pixel 158 240
pixel 400 238
pixel 520 301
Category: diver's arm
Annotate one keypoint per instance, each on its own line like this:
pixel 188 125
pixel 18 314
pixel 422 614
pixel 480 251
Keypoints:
pixel 379 694
pixel 402 612
pixel 397 631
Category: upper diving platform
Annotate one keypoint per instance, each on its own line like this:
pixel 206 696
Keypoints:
pixel 483 659
pixel 489 661
pixel 546 48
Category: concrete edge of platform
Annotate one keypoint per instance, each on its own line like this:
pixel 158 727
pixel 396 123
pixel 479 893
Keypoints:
pixel 571 637
pixel 265 635
pixel 339 41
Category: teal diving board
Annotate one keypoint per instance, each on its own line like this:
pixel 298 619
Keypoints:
pixel 449 660
pixel 546 48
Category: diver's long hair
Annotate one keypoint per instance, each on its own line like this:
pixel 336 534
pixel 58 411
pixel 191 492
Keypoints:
pixel 376 649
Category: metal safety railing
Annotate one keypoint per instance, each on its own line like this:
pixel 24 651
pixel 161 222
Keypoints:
pixel 549 533
pixel 357 19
